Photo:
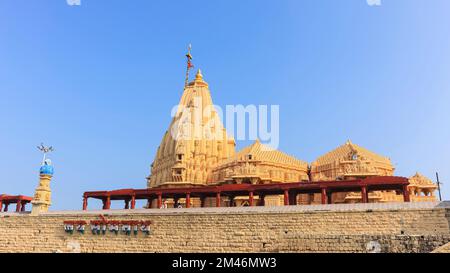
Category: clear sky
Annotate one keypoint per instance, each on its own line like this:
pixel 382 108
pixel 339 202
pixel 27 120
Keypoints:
pixel 98 81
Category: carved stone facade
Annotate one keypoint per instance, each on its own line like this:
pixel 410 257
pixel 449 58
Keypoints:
pixel 350 161
pixel 259 164
pixel 421 188
pixel 195 142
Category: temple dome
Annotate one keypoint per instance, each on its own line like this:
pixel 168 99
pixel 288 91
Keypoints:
pixel 346 152
pixel 260 152
pixel 259 163
pixel 420 180
pixel 46 168
pixel 350 160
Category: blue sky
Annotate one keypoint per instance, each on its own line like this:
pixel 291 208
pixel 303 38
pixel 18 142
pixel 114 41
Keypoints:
pixel 98 81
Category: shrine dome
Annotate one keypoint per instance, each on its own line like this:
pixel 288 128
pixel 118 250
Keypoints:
pixel 47 168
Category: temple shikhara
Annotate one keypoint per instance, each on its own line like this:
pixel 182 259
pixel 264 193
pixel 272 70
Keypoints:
pixel 197 165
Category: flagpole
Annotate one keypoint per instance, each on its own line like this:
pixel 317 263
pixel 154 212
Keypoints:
pixel 188 65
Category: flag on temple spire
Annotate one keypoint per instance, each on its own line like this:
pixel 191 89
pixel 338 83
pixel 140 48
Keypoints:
pixel 189 57
pixel 189 65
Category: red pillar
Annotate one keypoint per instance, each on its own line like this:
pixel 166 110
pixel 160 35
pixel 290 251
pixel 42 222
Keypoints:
pixel 324 196
pixel 310 198
pixel 286 197
pixel 293 198
pixel 1 205
pixel 261 200
pixel 188 200
pixel 405 193
pixel 218 199
pixel 133 201
pixel 250 199
pixel 85 202
pixel 159 200
pixel 107 204
pixel 18 206
pixel 231 201
pixel 364 194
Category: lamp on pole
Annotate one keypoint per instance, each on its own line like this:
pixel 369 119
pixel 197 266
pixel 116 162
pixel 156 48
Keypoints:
pixel 45 150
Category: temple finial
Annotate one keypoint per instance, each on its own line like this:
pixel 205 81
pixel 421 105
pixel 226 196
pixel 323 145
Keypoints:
pixel 199 75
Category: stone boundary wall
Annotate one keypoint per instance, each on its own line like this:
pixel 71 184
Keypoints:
pixel 396 227
pixel 363 243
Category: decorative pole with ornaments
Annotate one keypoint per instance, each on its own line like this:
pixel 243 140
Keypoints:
pixel 42 196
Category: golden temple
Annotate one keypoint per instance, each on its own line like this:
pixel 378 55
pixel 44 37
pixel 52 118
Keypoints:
pixel 196 150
